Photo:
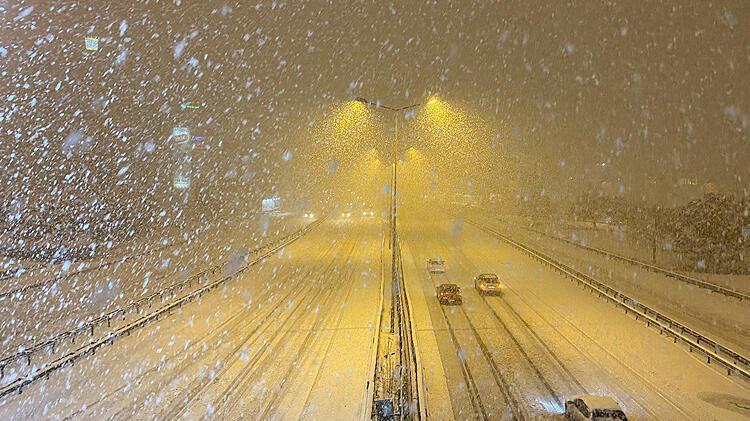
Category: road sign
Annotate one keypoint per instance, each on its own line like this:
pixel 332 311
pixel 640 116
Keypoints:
pixel 189 106
pixel 91 43
pixel 182 147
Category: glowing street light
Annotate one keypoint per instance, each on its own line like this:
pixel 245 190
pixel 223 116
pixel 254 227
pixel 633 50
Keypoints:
pixel 385 107
pixel 394 181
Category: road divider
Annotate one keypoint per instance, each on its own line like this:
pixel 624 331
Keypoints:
pixel 369 394
pixel 409 347
pixel 401 392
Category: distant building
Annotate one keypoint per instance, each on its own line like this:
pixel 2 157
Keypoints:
pixel 687 181
pixel 687 189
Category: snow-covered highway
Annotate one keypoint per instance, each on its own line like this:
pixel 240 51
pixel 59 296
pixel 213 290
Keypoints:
pixel 295 335
pixel 547 339
pixel 273 341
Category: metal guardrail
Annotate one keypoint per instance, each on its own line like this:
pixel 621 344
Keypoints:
pixel 22 289
pixel 687 279
pixel 402 395
pixel 369 394
pixel 712 350
pixel 108 259
pixel 261 253
pixel 411 404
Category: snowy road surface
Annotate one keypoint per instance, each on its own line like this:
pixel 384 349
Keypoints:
pixel 274 342
pixel 726 318
pixel 294 337
pixel 545 339
pixel 66 298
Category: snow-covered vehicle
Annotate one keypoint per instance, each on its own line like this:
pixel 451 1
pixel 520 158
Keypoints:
pixel 436 265
pixel 590 407
pixel 488 284
pixel 449 294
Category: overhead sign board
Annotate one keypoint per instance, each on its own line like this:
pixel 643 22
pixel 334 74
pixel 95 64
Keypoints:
pixel 182 151
pixel 91 43
pixel 180 134
pixel 272 204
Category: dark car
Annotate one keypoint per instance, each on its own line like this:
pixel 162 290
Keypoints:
pixel 449 294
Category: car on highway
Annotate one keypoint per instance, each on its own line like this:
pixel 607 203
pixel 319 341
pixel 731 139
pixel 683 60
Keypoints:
pixel 590 407
pixel 488 284
pixel 436 265
pixel 348 209
pixel 449 294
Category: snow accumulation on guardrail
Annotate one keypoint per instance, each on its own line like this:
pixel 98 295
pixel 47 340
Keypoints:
pixel 17 291
pixel 672 274
pixel 415 395
pixel 711 349
pixel 70 358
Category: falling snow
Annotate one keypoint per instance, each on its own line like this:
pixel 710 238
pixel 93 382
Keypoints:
pixel 228 209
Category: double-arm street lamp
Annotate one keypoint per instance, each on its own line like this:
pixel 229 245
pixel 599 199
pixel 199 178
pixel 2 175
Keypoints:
pixel 403 395
pixel 394 180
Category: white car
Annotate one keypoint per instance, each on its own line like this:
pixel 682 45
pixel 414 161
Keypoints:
pixel 590 407
pixel 488 284
pixel 436 265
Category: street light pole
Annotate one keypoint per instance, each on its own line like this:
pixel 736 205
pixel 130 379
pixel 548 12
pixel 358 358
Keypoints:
pixel 394 181
pixel 403 393
pixel 394 186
